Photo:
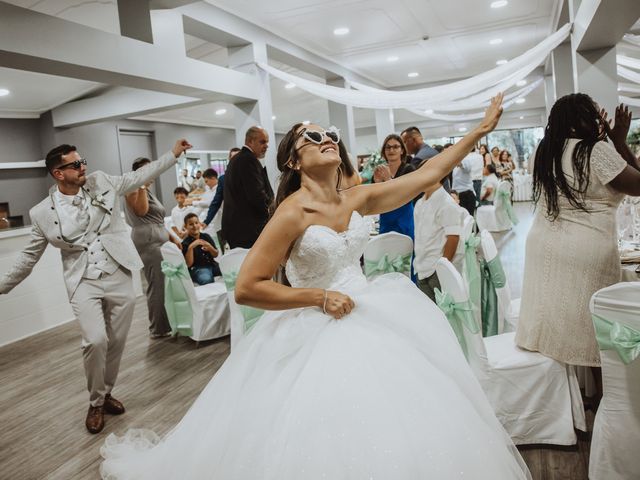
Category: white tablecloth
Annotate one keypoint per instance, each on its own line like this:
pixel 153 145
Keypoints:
pixel 522 187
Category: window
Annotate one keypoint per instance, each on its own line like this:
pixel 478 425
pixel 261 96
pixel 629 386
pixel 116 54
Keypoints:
pixel 519 142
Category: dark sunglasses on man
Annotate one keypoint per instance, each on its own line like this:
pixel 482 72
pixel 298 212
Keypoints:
pixel 76 164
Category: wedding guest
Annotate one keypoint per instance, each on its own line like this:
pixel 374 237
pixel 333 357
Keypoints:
pixel 199 252
pixel 81 216
pixel 185 181
pixel 489 185
pixel 247 192
pixel 505 172
pixel 179 211
pixel 571 252
pixel 198 181
pixel 412 138
pixel 201 204
pixel 477 169
pixel 145 213
pixel 438 226
pixel 484 151
pixel 463 182
pixel 495 157
pixel 395 153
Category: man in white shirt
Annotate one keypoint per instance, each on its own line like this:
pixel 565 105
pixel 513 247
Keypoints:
pixel 438 226
pixel 463 184
pixel 477 167
pixel 198 182
pixel 489 185
pixel 179 212
pixel 201 204
pixel 186 181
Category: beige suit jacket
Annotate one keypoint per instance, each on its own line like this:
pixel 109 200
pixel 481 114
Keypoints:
pixel 105 193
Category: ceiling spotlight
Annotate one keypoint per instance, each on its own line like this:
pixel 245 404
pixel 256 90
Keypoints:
pixel 306 122
pixel 393 58
pixel 495 41
pixel 341 31
pixel 499 4
pixel 521 83
pixel 4 92
pixel 221 111
pixel 412 74
pixel 429 112
pixel 462 129
pixel 289 86
pixel 520 100
pixel 521 117
pixel 502 62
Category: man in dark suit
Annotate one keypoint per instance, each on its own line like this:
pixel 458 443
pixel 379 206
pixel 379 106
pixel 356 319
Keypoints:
pixel 247 192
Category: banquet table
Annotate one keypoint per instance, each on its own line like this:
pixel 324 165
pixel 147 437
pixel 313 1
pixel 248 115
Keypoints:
pixel 522 187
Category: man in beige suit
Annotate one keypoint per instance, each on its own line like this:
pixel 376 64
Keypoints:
pixel 82 217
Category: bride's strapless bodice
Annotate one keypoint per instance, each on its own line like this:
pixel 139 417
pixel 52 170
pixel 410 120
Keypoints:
pixel 324 258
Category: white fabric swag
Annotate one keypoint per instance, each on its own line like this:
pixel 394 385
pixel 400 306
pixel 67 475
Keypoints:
pixel 464 94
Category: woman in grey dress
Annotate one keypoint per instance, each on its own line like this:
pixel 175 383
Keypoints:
pixel 146 215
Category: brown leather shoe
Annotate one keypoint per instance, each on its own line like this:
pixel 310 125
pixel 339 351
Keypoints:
pixel 113 406
pixel 95 419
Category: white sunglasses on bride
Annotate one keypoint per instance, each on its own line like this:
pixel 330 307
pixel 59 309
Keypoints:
pixel 318 136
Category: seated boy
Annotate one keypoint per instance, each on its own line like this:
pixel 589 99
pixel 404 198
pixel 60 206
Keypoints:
pixel 438 225
pixel 180 211
pixel 199 252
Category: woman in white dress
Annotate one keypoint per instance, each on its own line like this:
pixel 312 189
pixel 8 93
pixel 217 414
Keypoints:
pixel 578 182
pixel 345 379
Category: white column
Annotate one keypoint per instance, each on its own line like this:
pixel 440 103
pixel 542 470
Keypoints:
pixel 563 65
pixel 342 117
pixel 549 96
pixel 260 112
pixel 384 124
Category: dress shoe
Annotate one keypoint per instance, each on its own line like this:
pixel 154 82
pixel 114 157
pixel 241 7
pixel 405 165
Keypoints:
pixel 95 419
pixel 113 406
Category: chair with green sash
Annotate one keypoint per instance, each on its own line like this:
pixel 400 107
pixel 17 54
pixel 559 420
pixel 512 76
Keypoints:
pixel 388 253
pixel 470 266
pixel 615 443
pixel 243 317
pixel 500 313
pixel 500 216
pixel 197 311
pixel 536 398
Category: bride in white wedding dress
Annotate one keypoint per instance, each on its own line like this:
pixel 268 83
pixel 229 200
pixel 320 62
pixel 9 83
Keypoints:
pixel 346 379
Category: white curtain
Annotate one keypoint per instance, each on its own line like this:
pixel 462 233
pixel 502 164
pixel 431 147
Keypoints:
pixel 634 39
pixel 629 74
pixel 471 92
pixel 632 102
pixel 628 61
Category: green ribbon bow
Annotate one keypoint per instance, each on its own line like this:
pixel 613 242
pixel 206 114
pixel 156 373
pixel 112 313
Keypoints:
pixel 617 336
pixel 472 269
pixel 250 314
pixel 506 204
pixel 459 315
pixel 401 263
pixel 492 277
pixel 176 300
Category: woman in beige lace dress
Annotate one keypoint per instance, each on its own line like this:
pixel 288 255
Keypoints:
pixel 571 250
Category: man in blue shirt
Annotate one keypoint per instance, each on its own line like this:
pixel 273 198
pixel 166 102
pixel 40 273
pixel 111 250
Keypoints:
pixel 421 152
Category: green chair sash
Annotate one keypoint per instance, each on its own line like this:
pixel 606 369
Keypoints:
pixel 506 204
pixel 250 314
pixel 617 336
pixel 176 300
pixel 492 277
pixel 459 315
pixel 400 263
pixel 472 269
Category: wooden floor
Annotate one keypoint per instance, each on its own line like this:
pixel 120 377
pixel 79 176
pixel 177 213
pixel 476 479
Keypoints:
pixel 43 400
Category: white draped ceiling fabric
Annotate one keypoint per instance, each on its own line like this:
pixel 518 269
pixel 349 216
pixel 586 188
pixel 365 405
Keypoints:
pixel 625 64
pixel 464 95
pixel 633 39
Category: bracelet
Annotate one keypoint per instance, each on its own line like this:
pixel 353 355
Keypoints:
pixel 324 303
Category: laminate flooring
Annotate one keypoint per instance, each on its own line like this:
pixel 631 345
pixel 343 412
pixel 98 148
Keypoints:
pixel 43 399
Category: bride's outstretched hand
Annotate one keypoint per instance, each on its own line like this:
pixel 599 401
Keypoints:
pixel 492 114
pixel 337 304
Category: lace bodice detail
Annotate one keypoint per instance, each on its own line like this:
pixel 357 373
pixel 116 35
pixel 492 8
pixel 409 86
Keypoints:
pixel 324 258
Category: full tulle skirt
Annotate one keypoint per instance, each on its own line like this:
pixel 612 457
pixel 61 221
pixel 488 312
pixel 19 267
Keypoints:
pixel 384 393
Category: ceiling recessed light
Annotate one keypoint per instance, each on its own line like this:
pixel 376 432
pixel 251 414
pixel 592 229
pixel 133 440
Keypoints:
pixel 521 117
pixel 306 122
pixel 618 90
pixel 520 100
pixel 393 58
pixel 462 129
pixel 412 74
pixel 273 117
pixel 289 86
pixel 502 62
pixel 521 83
pixel 499 4
pixel 221 111
pixel 341 31
pixel 495 41
pixel 428 112
pixel 4 92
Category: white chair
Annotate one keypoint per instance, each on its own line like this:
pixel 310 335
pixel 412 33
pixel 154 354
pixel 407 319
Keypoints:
pixel 495 217
pixel 536 398
pixel 208 303
pixel 388 252
pixel 615 444
pixel 508 308
pixel 167 227
pixel 242 317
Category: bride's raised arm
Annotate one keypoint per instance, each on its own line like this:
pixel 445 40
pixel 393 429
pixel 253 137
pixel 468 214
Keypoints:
pixel 387 196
